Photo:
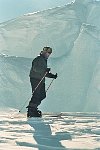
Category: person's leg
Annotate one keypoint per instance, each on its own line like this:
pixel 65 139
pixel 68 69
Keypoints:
pixel 42 92
pixel 35 99
pixel 36 94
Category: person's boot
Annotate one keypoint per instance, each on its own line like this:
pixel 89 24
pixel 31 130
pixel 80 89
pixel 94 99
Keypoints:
pixel 39 113
pixel 33 112
pixel 29 112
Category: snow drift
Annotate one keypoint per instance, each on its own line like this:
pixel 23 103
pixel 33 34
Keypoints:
pixel 73 31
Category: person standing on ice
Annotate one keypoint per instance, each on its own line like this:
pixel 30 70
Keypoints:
pixel 37 75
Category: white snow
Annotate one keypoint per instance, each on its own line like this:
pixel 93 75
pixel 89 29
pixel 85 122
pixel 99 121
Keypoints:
pixel 73 31
pixel 70 131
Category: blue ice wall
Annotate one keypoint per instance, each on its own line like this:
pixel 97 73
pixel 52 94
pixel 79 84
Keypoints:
pixel 73 31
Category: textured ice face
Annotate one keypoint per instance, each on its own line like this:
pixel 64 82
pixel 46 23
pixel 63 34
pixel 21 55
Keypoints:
pixel 73 33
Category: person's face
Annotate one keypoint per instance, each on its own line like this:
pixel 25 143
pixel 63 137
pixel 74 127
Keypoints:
pixel 47 55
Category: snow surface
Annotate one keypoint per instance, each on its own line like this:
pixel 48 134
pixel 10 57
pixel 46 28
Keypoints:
pixel 70 131
pixel 73 31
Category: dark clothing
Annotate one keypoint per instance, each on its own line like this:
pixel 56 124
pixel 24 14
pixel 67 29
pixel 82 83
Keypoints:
pixel 39 94
pixel 37 72
pixel 37 75
pixel 38 69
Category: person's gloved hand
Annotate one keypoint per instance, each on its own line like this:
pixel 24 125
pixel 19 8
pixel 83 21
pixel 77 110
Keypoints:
pixel 55 76
pixel 48 69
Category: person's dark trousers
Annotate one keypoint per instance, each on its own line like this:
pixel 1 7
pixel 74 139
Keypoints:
pixel 37 95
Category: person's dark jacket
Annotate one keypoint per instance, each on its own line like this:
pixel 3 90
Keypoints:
pixel 39 68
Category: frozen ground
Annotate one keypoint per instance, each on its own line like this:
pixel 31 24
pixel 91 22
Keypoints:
pixel 70 131
pixel 73 31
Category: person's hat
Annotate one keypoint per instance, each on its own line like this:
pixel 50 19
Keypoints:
pixel 47 50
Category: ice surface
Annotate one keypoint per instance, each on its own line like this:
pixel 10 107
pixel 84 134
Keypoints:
pixel 70 131
pixel 73 31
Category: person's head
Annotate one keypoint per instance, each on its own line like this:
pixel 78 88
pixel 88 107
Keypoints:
pixel 46 52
